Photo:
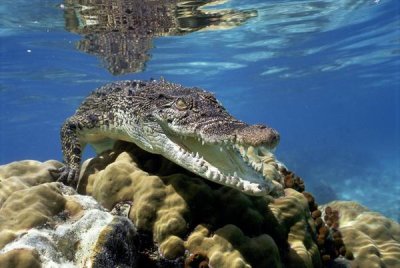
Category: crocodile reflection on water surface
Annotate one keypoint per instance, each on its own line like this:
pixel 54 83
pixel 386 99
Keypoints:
pixel 121 32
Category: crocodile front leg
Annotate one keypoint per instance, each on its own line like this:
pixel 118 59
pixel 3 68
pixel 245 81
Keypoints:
pixel 72 150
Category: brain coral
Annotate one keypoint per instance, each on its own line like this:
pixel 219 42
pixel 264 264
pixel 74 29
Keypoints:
pixel 373 239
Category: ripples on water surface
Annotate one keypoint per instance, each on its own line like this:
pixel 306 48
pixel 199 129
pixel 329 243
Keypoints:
pixel 324 73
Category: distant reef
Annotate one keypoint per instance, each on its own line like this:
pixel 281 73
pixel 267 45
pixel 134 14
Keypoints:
pixel 134 209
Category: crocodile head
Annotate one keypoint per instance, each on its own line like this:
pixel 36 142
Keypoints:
pixel 191 128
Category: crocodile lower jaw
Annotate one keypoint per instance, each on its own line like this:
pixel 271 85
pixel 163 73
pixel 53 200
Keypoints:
pixel 252 170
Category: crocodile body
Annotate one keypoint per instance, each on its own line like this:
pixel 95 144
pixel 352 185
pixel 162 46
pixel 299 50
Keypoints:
pixel 186 125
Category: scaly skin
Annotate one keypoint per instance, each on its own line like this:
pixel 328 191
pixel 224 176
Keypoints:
pixel 186 125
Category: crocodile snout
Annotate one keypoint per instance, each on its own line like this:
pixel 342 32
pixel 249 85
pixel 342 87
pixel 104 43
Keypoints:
pixel 258 135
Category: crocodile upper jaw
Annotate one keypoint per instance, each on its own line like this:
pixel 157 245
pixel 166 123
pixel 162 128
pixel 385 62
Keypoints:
pixel 225 162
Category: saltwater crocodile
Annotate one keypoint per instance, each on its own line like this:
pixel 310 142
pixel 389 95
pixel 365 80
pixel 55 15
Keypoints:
pixel 185 125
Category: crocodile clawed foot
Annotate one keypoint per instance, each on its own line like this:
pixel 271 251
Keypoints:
pixel 67 175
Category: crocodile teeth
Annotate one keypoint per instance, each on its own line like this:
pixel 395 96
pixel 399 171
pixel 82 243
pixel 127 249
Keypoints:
pixel 204 169
pixel 216 176
pixel 234 180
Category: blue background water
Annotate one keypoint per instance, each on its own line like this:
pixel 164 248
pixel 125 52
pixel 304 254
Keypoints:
pixel 323 73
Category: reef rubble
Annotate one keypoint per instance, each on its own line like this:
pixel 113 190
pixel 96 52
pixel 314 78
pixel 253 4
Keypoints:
pixel 135 209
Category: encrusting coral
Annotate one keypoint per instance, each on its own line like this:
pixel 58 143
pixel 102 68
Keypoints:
pixel 164 216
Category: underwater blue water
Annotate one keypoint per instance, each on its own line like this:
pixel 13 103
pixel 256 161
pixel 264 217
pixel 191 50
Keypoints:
pixel 325 74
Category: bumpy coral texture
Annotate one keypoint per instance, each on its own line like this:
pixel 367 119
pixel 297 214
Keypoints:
pixel 373 239
pixel 170 203
pixel 45 224
pixel 20 258
pixel 229 247
pixel 178 219
pixel 22 175
pixel 292 213
pixel 24 199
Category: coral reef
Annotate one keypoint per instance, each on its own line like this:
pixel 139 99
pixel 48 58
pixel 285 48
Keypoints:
pixel 229 247
pixel 46 223
pixel 135 209
pixel 172 203
pixel 21 258
pixel 371 239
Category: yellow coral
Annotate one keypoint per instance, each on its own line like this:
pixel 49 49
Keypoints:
pixel 172 247
pixel 373 239
pixel 30 207
pixel 156 206
pixel 53 219
pixel 229 246
pixel 170 204
pixel 183 212
pixel 113 184
pixel 20 258
pixel 22 175
pixel 293 215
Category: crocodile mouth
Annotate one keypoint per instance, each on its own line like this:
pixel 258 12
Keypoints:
pixel 250 169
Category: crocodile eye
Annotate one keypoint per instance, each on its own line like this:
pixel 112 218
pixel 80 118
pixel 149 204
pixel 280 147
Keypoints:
pixel 181 104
